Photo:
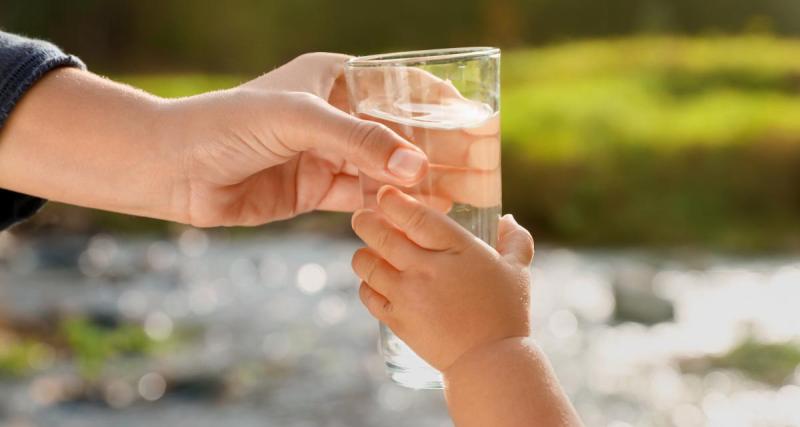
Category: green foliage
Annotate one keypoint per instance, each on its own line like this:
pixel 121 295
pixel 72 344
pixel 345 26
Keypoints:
pixel 577 99
pixel 771 363
pixel 93 345
pixel 656 141
pixel 90 345
pixel 252 36
pixel 20 357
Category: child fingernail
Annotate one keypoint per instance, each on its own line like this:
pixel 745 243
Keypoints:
pixel 383 191
pixel 356 215
pixel 398 196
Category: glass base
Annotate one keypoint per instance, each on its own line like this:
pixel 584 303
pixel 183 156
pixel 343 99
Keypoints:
pixel 417 379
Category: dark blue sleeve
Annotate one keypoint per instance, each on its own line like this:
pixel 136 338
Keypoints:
pixel 22 63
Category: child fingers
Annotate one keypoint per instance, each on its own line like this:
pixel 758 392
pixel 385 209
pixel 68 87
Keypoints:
pixel 377 304
pixel 428 88
pixel 462 149
pixel 514 242
pixel 379 274
pixel 435 201
pixel 385 239
pixel 422 224
pixel 445 185
pixel 480 188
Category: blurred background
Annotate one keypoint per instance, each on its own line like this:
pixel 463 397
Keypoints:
pixel 652 147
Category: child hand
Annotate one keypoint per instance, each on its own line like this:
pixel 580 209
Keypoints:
pixel 438 287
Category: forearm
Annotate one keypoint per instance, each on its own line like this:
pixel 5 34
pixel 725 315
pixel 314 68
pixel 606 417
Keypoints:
pixel 507 384
pixel 80 139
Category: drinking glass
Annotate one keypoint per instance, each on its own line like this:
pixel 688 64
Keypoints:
pixel 447 103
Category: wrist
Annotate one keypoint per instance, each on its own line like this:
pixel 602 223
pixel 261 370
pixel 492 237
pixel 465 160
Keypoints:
pixel 171 130
pixel 489 354
pixel 507 383
pixel 147 158
pixel 196 131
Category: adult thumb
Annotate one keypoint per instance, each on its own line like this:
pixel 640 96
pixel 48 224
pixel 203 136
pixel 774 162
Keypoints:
pixel 372 147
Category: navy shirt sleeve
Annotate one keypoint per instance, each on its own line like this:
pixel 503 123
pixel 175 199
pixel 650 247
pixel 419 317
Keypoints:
pixel 23 62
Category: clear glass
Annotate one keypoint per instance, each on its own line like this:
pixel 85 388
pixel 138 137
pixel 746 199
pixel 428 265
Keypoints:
pixel 447 103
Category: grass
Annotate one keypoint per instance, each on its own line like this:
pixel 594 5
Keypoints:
pixel 644 141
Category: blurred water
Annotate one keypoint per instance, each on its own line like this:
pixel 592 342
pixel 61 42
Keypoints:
pixel 281 339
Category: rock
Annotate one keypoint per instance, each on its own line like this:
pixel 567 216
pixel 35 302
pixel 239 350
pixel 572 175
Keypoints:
pixel 206 387
pixel 62 252
pixel 635 301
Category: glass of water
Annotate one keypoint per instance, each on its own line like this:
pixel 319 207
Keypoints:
pixel 446 102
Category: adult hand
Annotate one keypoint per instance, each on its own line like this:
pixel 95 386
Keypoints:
pixel 282 145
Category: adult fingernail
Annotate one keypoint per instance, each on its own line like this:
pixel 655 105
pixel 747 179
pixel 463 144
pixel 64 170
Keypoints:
pixel 406 163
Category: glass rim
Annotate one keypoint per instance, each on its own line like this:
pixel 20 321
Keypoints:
pixel 421 57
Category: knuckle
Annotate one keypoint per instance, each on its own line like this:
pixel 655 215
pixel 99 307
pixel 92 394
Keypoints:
pixel 302 99
pixel 417 219
pixel 362 137
pixel 383 239
pixel 306 59
pixel 321 56
pixel 362 292
pixel 379 308
pixel 387 308
pixel 282 98
pixel 290 106
pixel 307 55
pixel 326 63
pixel 371 266
pixel 460 247
pixel 366 296
pixel 356 261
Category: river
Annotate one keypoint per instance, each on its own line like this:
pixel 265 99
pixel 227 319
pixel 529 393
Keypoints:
pixel 273 334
